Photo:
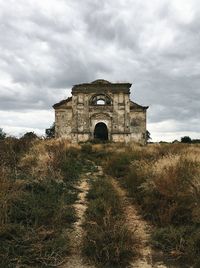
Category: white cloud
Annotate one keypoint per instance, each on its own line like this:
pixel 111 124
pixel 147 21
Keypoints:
pixel 47 46
pixel 17 123
pixel 170 130
pixel 183 10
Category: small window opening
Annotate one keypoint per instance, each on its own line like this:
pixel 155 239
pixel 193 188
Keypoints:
pixel 100 102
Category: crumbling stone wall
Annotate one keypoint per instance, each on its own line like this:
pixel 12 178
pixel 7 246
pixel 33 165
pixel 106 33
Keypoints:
pixel 63 119
pixel 105 102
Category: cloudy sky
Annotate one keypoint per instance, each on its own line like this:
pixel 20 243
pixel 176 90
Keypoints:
pixel 46 46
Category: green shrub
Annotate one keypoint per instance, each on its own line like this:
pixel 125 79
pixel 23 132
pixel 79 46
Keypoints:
pixel 108 242
pixel 137 175
pixel 103 190
pixel 86 148
pixel 33 233
pixel 33 247
pixel 181 243
pixel 36 205
pixel 118 165
pixel 2 134
pixel 171 239
pixel 71 169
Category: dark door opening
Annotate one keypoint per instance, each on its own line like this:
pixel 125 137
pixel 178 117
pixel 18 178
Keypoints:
pixel 101 132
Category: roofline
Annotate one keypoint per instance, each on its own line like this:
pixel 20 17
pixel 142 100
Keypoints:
pixel 140 106
pixel 102 84
pixel 58 104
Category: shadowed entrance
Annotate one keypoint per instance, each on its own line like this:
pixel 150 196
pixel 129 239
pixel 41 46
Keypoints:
pixel 101 131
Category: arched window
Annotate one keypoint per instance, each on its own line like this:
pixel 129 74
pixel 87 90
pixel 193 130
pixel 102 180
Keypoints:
pixel 100 102
pixel 101 99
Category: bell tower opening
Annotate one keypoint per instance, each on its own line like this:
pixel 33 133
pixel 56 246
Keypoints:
pixel 101 131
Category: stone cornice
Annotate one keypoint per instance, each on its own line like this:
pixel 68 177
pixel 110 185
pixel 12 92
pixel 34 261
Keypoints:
pixel 101 87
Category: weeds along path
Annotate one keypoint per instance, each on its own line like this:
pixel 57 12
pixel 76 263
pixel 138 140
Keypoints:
pixel 140 228
pixel 75 260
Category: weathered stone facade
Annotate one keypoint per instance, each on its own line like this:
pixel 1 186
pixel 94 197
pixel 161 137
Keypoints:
pixel 100 110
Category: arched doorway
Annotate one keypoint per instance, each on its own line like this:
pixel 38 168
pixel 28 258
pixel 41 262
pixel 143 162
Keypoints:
pixel 101 131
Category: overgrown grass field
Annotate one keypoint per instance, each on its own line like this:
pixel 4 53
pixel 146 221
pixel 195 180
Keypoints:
pixel 36 197
pixel 165 181
pixel 38 190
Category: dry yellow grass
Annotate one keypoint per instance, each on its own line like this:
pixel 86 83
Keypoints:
pixel 41 158
pixel 9 192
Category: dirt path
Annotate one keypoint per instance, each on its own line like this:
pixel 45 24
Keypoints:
pixel 141 229
pixel 75 260
pixel 133 220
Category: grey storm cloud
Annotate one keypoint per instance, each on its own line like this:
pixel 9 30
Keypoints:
pixel 47 46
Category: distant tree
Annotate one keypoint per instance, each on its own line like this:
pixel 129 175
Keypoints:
pixel 2 134
pixel 186 139
pixel 196 141
pixel 148 135
pixel 175 141
pixel 29 136
pixel 50 132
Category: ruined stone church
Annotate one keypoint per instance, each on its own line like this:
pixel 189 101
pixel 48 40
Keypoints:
pixel 100 110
